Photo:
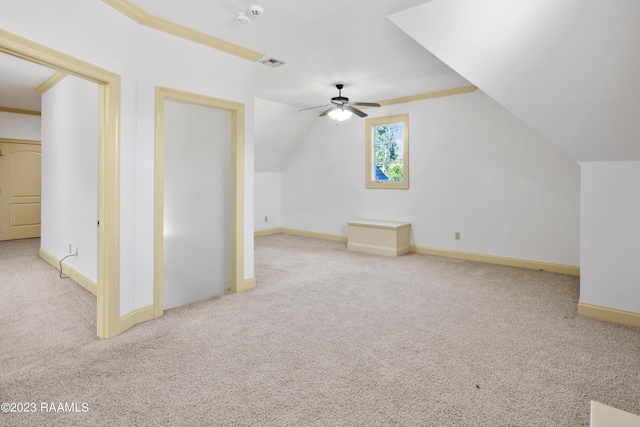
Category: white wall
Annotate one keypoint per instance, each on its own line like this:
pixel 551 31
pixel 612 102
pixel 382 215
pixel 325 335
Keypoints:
pixel 97 33
pixel 268 201
pixel 474 169
pixel 70 173
pixel 19 126
pixel 610 235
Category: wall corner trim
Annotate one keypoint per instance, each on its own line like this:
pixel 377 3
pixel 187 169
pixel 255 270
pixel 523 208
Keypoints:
pixel 69 272
pixel 142 17
pixel 608 314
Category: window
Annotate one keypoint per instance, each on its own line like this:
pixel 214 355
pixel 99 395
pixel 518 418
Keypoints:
pixel 387 150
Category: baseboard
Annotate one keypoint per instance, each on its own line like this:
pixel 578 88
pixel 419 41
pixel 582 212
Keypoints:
pixel 69 272
pixel 314 234
pixel 572 270
pixel 267 232
pixel 245 285
pixel 137 316
pixel 494 259
pixel 609 314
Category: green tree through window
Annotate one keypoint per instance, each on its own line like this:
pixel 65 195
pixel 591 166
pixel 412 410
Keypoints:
pixel 387 150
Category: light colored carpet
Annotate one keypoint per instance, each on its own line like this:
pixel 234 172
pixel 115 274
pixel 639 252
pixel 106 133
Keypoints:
pixel 329 337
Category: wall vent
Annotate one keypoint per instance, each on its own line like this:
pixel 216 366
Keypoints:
pixel 272 62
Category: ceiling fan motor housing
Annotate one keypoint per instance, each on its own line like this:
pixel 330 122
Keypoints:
pixel 339 100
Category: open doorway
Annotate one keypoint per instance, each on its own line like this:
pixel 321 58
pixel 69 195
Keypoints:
pixel 107 221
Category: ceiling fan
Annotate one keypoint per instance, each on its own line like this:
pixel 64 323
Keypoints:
pixel 340 107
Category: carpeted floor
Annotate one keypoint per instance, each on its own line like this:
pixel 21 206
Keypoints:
pixel 329 337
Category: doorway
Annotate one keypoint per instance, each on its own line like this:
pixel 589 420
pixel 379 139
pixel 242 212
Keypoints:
pixel 108 292
pixel 204 222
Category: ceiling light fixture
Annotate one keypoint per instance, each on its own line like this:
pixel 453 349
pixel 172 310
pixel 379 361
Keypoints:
pixel 340 114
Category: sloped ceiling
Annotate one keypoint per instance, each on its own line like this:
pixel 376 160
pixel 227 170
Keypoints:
pixel 278 130
pixel 570 68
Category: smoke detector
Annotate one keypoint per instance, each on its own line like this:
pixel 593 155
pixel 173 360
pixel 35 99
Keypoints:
pixel 256 10
pixel 242 18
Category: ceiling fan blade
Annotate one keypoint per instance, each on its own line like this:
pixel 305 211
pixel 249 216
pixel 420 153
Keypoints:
pixel 311 108
pixel 355 111
pixel 365 104
pixel 324 113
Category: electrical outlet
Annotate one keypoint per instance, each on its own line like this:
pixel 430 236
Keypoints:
pixel 266 219
pixel 457 235
pixel 69 247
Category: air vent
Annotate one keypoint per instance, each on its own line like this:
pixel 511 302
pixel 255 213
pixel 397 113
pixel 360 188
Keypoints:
pixel 272 62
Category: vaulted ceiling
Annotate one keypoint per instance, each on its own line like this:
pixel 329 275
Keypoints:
pixel 570 68
pixel 321 42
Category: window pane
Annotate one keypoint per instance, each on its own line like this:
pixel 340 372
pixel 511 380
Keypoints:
pixel 388 152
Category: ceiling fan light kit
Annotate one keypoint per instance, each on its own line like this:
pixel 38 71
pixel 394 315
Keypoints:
pixel 340 115
pixel 341 109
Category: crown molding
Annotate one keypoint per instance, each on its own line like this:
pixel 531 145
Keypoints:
pixel 144 18
pixel 20 141
pixel 50 82
pixel 19 111
pixel 429 95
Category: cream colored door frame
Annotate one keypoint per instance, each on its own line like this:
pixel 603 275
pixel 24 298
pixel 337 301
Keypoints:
pixel 237 192
pixel 109 322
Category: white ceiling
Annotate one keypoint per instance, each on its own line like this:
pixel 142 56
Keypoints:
pixel 570 68
pixel 18 79
pixel 322 42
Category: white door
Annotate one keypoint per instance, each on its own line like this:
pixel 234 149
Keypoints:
pixel 20 166
pixel 197 203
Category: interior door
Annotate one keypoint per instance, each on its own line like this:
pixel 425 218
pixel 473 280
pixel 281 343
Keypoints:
pixel 19 190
